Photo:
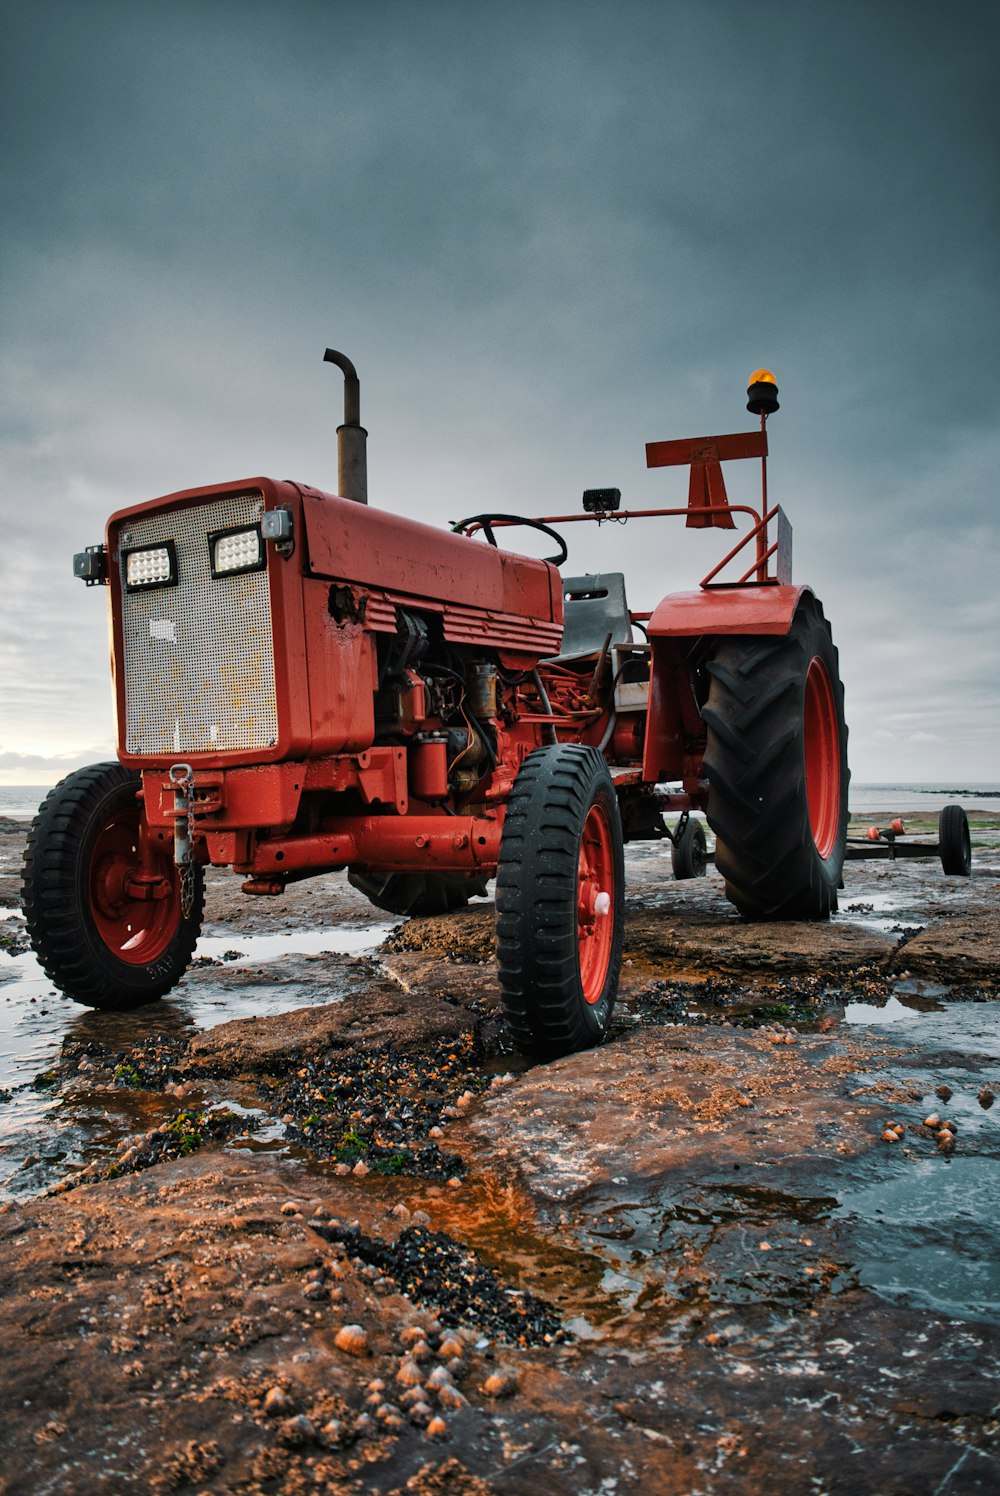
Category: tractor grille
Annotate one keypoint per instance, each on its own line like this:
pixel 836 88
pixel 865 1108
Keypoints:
pixel 199 657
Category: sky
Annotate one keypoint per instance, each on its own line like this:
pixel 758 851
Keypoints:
pixel 546 234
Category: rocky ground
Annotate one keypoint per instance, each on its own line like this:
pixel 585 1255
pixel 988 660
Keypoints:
pixel 356 1244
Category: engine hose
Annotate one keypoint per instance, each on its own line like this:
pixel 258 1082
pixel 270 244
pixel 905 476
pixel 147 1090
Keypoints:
pixel 606 739
pixel 549 731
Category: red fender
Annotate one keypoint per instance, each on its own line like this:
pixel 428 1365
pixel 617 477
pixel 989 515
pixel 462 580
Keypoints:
pixel 726 610
pixel 674 721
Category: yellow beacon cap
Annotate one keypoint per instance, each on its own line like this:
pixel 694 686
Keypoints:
pixel 762 376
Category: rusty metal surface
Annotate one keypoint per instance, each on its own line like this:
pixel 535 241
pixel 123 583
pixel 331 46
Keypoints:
pixel 199 657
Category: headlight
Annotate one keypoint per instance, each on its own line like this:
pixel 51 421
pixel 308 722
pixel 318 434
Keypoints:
pixel 152 566
pixel 236 550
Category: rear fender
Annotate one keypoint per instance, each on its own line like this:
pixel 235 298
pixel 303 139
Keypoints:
pixel 725 610
pixel 674 719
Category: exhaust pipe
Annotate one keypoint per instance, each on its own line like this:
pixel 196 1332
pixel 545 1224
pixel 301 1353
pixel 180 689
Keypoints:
pixel 352 438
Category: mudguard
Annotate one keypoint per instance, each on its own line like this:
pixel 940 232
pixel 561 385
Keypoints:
pixel 726 610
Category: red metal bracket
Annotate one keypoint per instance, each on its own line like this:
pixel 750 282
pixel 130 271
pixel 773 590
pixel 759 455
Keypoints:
pixel 708 503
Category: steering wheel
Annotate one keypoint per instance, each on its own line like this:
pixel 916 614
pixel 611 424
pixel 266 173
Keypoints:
pixel 487 521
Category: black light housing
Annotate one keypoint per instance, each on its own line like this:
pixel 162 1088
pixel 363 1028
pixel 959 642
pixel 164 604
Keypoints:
pixel 602 500
pixel 145 567
pixel 236 550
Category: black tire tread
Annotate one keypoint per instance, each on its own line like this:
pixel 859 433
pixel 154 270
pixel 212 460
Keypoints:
pixel 955 848
pixel 537 948
pixel 53 898
pixel 754 761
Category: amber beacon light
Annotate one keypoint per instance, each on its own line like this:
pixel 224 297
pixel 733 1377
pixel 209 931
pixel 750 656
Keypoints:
pixel 762 393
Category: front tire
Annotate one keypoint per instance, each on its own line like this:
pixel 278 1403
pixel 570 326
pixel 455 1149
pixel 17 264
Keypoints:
pixel 560 902
pixel 776 759
pixel 89 861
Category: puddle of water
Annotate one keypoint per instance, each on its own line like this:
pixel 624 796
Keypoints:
pixel 891 1011
pixel 969 1029
pixel 36 1020
pixel 928 1236
pixel 259 949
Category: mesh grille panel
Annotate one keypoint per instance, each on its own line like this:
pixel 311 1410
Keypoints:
pixel 199 657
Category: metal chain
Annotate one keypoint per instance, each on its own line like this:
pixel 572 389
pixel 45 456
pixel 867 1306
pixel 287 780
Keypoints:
pixel 182 778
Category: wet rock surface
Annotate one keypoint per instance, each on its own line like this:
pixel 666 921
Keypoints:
pixel 348 1241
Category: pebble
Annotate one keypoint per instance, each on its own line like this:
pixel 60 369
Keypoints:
pixel 353 1339
pixel 419 1413
pixel 401 1213
pixel 889 1136
pixel 437 1428
pixel 450 1347
pixel 933 1120
pixel 314 1289
pixel 500 1384
pixel 986 1097
pixel 289 1208
pixel 298 1430
pixel 360 1169
pixel 334 1432
pixel 450 1397
pixel 944 1092
pixel 277 1403
pixel 454 1184
pixel 409 1373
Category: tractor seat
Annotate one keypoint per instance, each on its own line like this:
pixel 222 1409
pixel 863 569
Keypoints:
pixel 595 607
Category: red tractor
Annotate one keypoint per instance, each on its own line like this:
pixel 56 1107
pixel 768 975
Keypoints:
pixel 305 684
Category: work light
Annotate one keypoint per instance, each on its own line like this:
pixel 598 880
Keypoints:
pixel 236 551
pixel 151 566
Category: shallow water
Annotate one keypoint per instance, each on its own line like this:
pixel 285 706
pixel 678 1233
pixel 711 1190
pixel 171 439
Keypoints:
pixel 36 1020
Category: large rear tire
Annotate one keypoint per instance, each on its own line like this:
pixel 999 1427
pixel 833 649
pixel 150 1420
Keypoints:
pixel 776 759
pixel 102 896
pixel 560 902
pixel 416 893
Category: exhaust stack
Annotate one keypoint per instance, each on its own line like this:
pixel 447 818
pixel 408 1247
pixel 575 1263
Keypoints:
pixel 352 438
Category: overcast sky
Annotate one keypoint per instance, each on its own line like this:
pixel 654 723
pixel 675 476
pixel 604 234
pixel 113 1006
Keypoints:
pixel 546 233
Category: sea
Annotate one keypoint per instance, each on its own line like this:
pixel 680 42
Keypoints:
pixel 21 801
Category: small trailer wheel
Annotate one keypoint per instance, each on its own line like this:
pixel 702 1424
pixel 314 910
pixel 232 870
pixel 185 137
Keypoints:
pixel 689 853
pixel 954 843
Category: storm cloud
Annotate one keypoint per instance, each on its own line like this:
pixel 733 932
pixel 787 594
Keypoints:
pixel 546 234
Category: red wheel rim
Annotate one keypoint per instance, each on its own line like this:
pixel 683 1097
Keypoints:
pixel 822 758
pixel 136 930
pixel 595 903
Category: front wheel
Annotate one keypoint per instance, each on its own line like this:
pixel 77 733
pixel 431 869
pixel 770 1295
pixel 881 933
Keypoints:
pixel 560 902
pixel 102 896
pixel 776 758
